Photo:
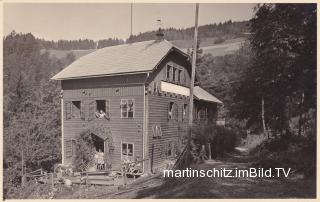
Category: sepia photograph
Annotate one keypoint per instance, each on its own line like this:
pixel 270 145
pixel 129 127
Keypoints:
pixel 131 100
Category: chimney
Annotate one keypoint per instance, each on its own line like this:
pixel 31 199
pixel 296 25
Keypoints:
pixel 160 32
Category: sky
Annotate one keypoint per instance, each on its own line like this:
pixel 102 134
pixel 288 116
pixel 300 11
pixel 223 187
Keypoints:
pixel 54 21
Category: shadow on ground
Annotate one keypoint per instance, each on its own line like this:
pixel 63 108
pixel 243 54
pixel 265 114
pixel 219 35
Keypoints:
pixel 226 187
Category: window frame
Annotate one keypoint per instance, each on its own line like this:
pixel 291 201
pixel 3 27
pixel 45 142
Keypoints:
pixel 127 143
pixel 168 77
pixel 185 110
pixel 81 112
pixel 133 108
pixel 107 107
pixel 171 150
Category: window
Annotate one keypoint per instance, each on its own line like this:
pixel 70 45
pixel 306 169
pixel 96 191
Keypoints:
pixel 127 151
pixel 202 113
pixel 74 110
pixel 173 111
pixel 179 76
pixel 184 111
pixel 102 109
pixel 169 149
pixel 169 67
pixel 156 131
pixel 174 74
pixel 170 112
pixel 127 108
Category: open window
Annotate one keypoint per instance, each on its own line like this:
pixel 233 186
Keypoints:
pixel 173 111
pixel 102 109
pixel 74 111
pixel 127 151
pixel 184 111
pixel 170 111
pixel 127 108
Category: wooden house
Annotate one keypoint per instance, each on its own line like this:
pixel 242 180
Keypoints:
pixel 142 90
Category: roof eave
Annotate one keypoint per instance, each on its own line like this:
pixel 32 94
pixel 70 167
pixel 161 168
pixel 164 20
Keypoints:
pixel 100 75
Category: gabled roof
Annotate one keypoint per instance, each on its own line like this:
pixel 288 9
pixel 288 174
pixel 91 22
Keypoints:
pixel 138 57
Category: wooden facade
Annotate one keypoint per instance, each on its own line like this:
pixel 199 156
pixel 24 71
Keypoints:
pixel 158 125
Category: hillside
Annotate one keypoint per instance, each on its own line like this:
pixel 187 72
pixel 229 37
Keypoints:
pixel 207 45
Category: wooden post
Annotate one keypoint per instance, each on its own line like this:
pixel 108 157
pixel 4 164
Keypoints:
pixel 151 161
pixel 193 71
pixel 62 130
pixel 124 173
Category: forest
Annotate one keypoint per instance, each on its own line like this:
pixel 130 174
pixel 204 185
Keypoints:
pixel 222 31
pixel 268 87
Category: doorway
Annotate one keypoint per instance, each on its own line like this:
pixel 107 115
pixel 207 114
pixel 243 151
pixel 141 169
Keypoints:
pixel 98 142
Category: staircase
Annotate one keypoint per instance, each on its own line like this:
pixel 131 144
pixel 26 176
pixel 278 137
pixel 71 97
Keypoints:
pixel 88 166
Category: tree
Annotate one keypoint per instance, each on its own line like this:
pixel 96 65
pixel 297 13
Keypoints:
pixel 31 107
pixel 283 43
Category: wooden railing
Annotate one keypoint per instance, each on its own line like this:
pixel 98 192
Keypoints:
pixel 181 160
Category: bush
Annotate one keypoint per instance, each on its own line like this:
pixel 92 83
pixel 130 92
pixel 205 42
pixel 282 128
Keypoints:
pixel 85 150
pixel 222 140
pixel 297 153
pixel 31 190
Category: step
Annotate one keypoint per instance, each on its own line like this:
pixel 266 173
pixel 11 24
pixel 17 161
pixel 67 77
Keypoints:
pixel 100 182
pixel 97 177
pixel 102 172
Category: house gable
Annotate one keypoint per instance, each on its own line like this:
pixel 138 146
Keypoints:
pixel 174 61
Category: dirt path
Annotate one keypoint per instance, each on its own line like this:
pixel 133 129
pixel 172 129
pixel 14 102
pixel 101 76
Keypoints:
pixel 220 187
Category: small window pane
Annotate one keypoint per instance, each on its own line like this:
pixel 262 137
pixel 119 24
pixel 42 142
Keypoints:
pixel 124 108
pixel 76 109
pixel 179 76
pixel 170 113
pixel 124 149
pixel 130 149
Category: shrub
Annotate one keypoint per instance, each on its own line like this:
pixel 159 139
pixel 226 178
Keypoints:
pixel 31 190
pixel 297 153
pixel 85 150
pixel 222 140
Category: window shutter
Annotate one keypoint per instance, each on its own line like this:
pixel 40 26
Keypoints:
pixel 154 131
pixel 73 147
pixel 92 110
pixel 175 111
pixel 68 147
pixel 82 107
pixel 108 108
pixel 67 110
pixel 187 112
